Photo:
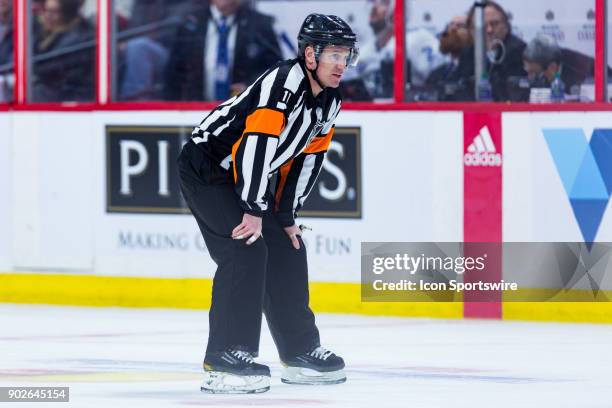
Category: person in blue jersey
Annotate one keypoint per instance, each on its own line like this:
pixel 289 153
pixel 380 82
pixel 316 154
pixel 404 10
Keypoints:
pixel 282 125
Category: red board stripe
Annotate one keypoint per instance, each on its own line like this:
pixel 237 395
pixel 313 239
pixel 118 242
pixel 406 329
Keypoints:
pixel 482 206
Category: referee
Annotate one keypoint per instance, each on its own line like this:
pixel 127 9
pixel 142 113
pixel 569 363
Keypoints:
pixel 281 124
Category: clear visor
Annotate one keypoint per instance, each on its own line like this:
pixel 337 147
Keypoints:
pixel 335 54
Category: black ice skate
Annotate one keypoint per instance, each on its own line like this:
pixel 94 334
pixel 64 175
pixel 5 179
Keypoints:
pixel 234 372
pixel 319 366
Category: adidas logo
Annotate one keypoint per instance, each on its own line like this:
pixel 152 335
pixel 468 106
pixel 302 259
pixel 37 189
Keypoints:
pixel 482 151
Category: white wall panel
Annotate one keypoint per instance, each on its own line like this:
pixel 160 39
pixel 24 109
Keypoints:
pixel 5 191
pixel 536 206
pixel 52 190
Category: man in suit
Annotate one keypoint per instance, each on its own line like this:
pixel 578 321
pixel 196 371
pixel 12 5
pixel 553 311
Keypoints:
pixel 504 52
pixel 218 50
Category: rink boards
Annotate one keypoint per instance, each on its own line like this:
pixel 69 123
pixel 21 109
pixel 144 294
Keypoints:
pixel 87 220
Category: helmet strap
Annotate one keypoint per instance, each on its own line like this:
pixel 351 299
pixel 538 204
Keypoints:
pixel 313 72
pixel 315 76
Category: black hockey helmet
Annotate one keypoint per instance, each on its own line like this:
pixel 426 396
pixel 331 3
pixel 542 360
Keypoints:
pixel 319 30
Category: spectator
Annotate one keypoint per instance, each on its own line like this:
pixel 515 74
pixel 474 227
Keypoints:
pixel 6 51
pixel 143 45
pixel 504 51
pixel 422 54
pixel 542 61
pixel 64 54
pixel 6 32
pixel 375 69
pixel 453 41
pixel 543 58
pixel 37 9
pixel 144 61
pixel 378 54
pixel 236 44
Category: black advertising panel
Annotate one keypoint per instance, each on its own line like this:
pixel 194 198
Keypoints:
pixel 142 174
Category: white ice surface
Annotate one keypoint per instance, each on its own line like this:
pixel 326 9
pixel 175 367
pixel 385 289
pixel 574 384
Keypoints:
pixel 152 358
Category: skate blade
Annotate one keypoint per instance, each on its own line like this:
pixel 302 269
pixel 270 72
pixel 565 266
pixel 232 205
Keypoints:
pixel 217 382
pixel 306 376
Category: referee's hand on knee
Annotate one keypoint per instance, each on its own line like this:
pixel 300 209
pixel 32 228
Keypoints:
pixel 250 228
pixel 293 232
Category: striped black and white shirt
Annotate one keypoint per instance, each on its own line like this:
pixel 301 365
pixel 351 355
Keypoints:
pixel 275 125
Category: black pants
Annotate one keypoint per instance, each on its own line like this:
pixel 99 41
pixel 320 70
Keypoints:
pixel 269 275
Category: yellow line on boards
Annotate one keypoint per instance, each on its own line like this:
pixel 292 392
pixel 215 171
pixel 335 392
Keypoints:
pixel 194 293
pixel 188 293
pixel 88 290
pixel 567 312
